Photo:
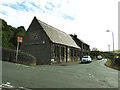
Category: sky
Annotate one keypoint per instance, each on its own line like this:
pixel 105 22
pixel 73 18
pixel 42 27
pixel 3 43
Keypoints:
pixel 88 19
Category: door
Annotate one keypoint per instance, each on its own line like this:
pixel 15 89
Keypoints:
pixel 66 53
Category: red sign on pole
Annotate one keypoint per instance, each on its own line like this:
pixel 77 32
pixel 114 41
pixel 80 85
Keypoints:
pixel 19 39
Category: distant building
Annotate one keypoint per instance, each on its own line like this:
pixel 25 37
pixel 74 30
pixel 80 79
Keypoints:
pixel 50 45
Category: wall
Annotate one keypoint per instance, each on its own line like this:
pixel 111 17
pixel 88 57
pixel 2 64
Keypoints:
pixel 73 55
pixel 37 43
pixel 57 54
pixel 67 54
pixel 23 58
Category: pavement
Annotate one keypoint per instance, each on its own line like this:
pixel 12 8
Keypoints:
pixel 75 75
pixel 66 63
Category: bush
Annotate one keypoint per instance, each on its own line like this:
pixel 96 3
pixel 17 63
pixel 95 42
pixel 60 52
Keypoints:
pixel 110 63
pixel 23 58
pixel 94 54
pixel 117 61
pixel 109 55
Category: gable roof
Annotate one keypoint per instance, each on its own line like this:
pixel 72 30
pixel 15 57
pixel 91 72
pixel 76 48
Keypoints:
pixel 57 36
pixel 75 37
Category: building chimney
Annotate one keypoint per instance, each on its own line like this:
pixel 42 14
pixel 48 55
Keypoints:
pixel 75 35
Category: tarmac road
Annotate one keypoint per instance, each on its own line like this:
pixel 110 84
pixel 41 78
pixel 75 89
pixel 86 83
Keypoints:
pixel 91 75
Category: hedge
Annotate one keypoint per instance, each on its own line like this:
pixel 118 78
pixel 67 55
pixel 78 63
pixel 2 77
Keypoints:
pixel 23 58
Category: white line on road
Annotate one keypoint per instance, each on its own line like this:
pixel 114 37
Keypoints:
pixel 7 85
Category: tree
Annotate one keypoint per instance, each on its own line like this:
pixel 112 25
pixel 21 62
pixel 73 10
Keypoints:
pixel 94 49
pixel 95 52
pixel 10 34
pixel 19 32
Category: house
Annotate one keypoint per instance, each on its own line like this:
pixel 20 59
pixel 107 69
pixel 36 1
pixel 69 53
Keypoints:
pixel 85 48
pixel 49 45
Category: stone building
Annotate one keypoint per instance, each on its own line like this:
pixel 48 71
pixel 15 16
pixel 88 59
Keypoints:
pixel 85 48
pixel 49 45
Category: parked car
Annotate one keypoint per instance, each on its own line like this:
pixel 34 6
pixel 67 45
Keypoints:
pixel 99 57
pixel 86 59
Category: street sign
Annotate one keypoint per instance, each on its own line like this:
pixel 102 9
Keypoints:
pixel 19 39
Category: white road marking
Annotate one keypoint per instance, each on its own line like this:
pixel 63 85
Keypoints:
pixel 90 75
pixel 22 65
pixel 24 88
pixel 7 85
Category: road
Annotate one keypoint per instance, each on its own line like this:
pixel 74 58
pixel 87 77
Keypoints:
pixel 93 75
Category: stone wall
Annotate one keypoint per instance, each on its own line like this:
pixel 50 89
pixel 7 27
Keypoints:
pixel 37 43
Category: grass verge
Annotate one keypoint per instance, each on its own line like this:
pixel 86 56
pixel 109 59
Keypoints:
pixel 110 64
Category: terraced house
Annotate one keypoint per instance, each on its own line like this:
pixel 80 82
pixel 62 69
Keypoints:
pixel 85 48
pixel 49 45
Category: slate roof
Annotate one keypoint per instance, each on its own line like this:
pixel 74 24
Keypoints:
pixel 57 36
pixel 78 39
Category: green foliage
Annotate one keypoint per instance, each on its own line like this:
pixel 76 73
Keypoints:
pixel 0 38
pixel 111 64
pixel 109 55
pixel 10 34
pixel 94 54
pixel 4 40
pixel 119 54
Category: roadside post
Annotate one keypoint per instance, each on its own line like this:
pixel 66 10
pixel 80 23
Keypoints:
pixel 113 44
pixel 19 40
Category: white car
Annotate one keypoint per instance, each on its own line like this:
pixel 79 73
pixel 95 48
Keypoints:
pixel 99 57
pixel 86 59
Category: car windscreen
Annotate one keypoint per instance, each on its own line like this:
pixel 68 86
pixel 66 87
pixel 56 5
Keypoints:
pixel 99 56
pixel 85 57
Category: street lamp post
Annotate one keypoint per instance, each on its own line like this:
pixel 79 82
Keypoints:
pixel 112 38
pixel 113 41
pixel 109 48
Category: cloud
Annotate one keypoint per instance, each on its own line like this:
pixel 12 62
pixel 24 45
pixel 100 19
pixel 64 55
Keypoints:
pixel 85 18
pixel 3 12
pixel 18 10
pixel 17 6
pixel 68 17
pixel 51 4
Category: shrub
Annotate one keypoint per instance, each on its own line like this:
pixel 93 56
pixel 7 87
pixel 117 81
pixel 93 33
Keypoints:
pixel 117 61
pixel 23 58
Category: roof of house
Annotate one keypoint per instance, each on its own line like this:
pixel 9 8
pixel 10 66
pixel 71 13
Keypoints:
pixel 57 36
pixel 75 37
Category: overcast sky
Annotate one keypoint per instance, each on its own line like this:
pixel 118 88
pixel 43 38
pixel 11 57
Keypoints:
pixel 89 19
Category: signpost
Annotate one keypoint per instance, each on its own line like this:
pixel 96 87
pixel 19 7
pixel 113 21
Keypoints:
pixel 19 40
